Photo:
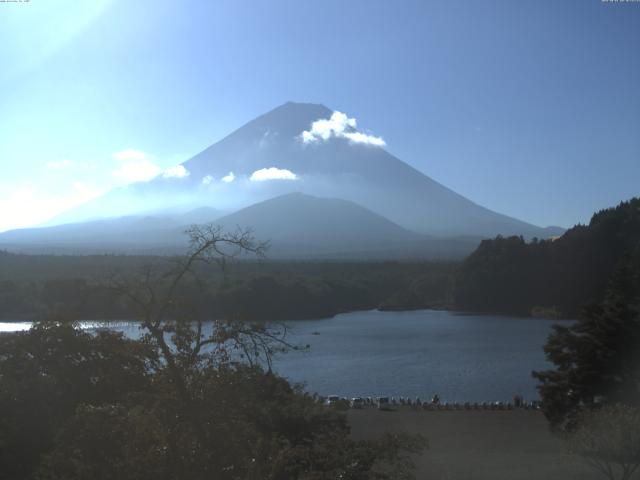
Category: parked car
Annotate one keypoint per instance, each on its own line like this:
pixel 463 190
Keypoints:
pixel 383 403
pixel 357 402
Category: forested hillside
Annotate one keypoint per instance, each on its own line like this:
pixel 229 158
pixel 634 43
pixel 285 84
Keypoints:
pixel 551 277
pixel 80 287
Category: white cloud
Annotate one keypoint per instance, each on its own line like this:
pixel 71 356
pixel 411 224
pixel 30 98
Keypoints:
pixel 339 125
pixel 272 173
pixel 229 178
pixel 139 166
pixel 207 180
pixel 177 171
pixel 135 166
pixel 66 163
pixel 324 129
pixel 138 171
pixel 359 137
pixel 63 184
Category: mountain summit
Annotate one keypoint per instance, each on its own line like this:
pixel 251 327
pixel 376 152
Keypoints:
pixel 328 156
pixel 319 152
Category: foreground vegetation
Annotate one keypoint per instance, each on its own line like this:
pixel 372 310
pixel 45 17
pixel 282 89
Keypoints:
pixel 183 402
pixel 592 395
pixel 597 359
pixel 80 406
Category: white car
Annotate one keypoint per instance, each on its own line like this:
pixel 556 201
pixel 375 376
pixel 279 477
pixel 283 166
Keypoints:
pixel 332 399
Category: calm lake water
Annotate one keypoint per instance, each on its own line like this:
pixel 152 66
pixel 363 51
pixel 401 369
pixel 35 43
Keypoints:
pixel 418 353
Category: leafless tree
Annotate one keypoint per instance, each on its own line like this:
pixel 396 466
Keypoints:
pixel 182 336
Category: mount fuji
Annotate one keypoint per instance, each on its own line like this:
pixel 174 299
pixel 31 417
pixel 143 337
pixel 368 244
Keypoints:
pixel 307 149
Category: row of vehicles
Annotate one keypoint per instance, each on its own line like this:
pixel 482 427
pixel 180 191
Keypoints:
pixel 359 402
pixel 383 403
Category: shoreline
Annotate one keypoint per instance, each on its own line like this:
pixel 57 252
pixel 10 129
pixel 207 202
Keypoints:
pixel 20 318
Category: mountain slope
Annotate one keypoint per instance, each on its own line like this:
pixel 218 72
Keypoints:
pixel 298 223
pixel 340 168
pixel 296 226
pixel 302 226
pixel 161 233
pixel 335 167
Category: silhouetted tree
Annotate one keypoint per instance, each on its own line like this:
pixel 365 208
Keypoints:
pixel 509 275
pixel 47 373
pixel 598 358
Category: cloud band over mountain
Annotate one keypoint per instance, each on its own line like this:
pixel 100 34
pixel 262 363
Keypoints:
pixel 339 125
pixel 272 173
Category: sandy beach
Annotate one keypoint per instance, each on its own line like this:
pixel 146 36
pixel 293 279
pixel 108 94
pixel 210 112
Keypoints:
pixel 478 445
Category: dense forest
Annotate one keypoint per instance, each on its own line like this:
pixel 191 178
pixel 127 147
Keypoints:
pixel 81 287
pixel 555 277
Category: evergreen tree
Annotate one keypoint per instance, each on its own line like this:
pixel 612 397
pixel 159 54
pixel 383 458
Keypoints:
pixel 598 358
pixel 509 275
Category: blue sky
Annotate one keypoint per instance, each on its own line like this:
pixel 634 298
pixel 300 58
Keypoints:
pixel 529 108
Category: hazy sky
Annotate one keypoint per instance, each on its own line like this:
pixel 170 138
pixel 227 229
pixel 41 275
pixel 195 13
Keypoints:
pixel 529 108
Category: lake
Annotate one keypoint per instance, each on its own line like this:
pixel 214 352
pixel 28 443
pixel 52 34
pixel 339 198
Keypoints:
pixel 418 353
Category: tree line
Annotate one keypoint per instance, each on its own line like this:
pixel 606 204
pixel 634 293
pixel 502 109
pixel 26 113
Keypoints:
pixel 555 277
pixel 249 290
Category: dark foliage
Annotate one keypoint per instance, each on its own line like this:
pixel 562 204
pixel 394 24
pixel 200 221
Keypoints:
pixel 558 276
pixel 81 406
pixel 598 358
pixel 184 401
pixel 73 287
pixel 46 374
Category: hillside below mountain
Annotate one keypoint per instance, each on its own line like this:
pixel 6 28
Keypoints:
pixel 311 149
pixel 299 225
pixel 295 225
pixel 154 233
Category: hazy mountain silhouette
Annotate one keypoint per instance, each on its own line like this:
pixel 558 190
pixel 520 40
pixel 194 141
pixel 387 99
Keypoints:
pixel 296 226
pixel 299 225
pixel 337 166
pixel 160 233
